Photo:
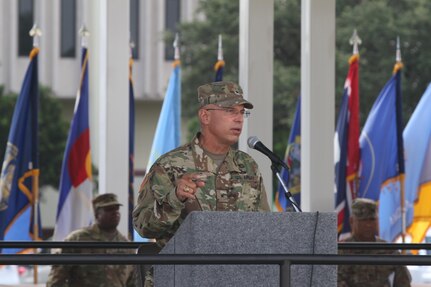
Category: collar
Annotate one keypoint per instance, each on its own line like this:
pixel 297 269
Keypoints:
pixel 204 163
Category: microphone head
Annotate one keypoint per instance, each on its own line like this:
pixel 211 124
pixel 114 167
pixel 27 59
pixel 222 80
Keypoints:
pixel 252 141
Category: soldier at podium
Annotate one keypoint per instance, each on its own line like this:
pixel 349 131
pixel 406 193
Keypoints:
pixel 205 174
pixel 364 224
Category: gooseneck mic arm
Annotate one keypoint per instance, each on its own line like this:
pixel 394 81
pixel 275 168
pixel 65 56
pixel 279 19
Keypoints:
pixel 286 190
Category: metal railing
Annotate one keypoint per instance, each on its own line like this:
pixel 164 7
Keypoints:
pixel 135 245
pixel 383 245
pixel 284 261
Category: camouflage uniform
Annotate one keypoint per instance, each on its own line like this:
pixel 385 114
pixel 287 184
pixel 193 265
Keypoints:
pixel 94 275
pixel 236 185
pixel 370 275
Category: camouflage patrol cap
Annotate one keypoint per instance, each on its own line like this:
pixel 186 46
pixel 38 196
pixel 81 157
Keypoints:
pixel 364 208
pixel 104 200
pixel 222 94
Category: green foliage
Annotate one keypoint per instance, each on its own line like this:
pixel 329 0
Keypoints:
pixel 7 104
pixel 52 133
pixel 287 72
pixel 199 54
pixel 378 23
pixel 199 42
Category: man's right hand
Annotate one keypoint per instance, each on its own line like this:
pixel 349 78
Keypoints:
pixel 187 185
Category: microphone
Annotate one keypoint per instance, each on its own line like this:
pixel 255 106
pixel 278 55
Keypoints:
pixel 254 143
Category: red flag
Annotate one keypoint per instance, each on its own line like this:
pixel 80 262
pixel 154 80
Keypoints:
pixel 347 147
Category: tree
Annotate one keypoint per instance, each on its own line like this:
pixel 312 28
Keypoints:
pixel 378 24
pixel 199 53
pixel 52 133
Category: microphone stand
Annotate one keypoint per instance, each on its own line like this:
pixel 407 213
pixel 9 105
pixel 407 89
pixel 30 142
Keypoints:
pixel 289 196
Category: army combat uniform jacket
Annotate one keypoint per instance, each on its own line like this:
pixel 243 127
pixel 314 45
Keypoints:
pixel 93 275
pixel 235 185
pixel 372 275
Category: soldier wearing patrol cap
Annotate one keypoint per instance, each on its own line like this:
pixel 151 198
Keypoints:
pixel 364 219
pixel 107 218
pixel 106 199
pixel 205 174
pixel 364 225
pixel 222 94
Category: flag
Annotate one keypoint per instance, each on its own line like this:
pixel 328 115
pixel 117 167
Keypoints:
pixel 218 68
pixel 291 177
pixel 20 214
pixel 346 147
pixel 74 209
pixel 417 140
pixel 167 136
pixel 131 149
pixel 382 158
pixel 219 65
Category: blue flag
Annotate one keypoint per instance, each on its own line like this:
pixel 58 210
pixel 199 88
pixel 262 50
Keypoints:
pixel 131 148
pixel 20 171
pixel 218 68
pixel 382 157
pixel 417 140
pixel 291 177
pixel 340 153
pixel 167 136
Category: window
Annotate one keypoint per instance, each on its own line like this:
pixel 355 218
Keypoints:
pixel 172 18
pixel 25 23
pixel 134 27
pixel 68 29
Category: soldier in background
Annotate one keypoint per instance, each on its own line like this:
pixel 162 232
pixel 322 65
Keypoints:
pixel 107 215
pixel 364 224
pixel 205 174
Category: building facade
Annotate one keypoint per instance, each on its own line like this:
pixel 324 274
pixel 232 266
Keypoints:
pixel 59 60
pixel 60 56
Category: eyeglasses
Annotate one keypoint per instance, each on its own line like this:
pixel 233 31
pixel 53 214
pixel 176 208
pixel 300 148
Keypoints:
pixel 232 112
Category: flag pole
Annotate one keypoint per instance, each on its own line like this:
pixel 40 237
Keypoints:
pixel 35 187
pixel 35 32
pixel 131 198
pixel 398 64
pixel 220 48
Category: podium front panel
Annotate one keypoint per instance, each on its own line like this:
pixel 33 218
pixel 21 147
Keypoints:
pixel 251 233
